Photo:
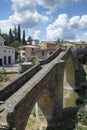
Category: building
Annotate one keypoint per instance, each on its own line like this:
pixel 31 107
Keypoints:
pixel 45 50
pixel 27 53
pixel 34 42
pixel 43 53
pixel 47 45
pixel 80 44
pixel 7 54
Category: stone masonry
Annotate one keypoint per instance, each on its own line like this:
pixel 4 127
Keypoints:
pixel 42 84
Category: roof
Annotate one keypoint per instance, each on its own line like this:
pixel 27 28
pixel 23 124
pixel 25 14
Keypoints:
pixel 48 42
pixel 44 49
pixel 8 47
pixel 81 43
pixel 28 46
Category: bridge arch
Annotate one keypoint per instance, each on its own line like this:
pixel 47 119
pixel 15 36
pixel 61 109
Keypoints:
pixel 69 74
pixel 46 104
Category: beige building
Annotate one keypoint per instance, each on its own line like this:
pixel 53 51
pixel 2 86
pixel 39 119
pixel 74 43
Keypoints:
pixel 80 44
pixel 45 50
pixel 47 45
pixel 27 53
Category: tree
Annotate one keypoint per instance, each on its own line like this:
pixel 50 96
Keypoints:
pixel 19 33
pixel 6 38
pixel 15 33
pixel 58 41
pixel 16 54
pixel 10 36
pixel 29 40
pixel 81 54
pixel 23 38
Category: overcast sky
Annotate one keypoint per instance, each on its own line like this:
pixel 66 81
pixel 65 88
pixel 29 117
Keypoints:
pixel 46 19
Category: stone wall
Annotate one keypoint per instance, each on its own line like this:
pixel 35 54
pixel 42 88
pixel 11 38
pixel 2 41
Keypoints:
pixel 47 60
pixel 8 90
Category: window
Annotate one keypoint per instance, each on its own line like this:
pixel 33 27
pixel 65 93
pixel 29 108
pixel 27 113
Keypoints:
pixel 42 53
pixel 5 60
pixel 32 49
pixel 23 53
pixel 51 53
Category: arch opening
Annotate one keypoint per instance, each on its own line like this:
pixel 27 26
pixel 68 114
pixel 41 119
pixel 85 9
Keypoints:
pixel 69 75
pixel 46 105
pixel 42 112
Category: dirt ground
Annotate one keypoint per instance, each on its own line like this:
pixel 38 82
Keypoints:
pixel 36 124
pixel 9 78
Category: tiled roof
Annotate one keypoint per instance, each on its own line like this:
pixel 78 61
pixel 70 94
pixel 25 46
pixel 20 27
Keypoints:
pixel 81 43
pixel 48 42
pixel 28 46
pixel 8 47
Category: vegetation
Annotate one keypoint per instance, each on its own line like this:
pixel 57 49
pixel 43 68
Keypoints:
pixel 82 116
pixel 33 113
pixel 3 75
pixel 81 55
pixel 14 39
pixel 79 101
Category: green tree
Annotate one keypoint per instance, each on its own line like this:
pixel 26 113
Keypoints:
pixel 10 36
pixel 15 33
pixel 29 39
pixel 58 41
pixel 6 38
pixel 16 54
pixel 19 33
pixel 23 38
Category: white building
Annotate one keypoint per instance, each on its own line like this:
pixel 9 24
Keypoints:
pixel 7 54
pixel 34 42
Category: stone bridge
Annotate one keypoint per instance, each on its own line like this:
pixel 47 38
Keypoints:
pixel 43 84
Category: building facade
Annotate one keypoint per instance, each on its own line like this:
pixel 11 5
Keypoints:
pixel 45 50
pixel 80 44
pixel 7 54
pixel 27 53
pixel 34 42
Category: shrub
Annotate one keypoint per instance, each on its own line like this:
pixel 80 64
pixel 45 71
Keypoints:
pixel 3 74
pixel 82 116
pixel 79 101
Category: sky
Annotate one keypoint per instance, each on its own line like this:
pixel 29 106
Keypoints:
pixel 46 19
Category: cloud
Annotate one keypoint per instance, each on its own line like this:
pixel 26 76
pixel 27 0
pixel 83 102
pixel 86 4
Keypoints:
pixel 23 5
pixel 52 3
pixel 78 23
pixel 82 37
pixel 25 14
pixel 27 19
pixel 5 25
pixel 55 4
pixel 65 28
pixel 60 29
pixel 35 34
